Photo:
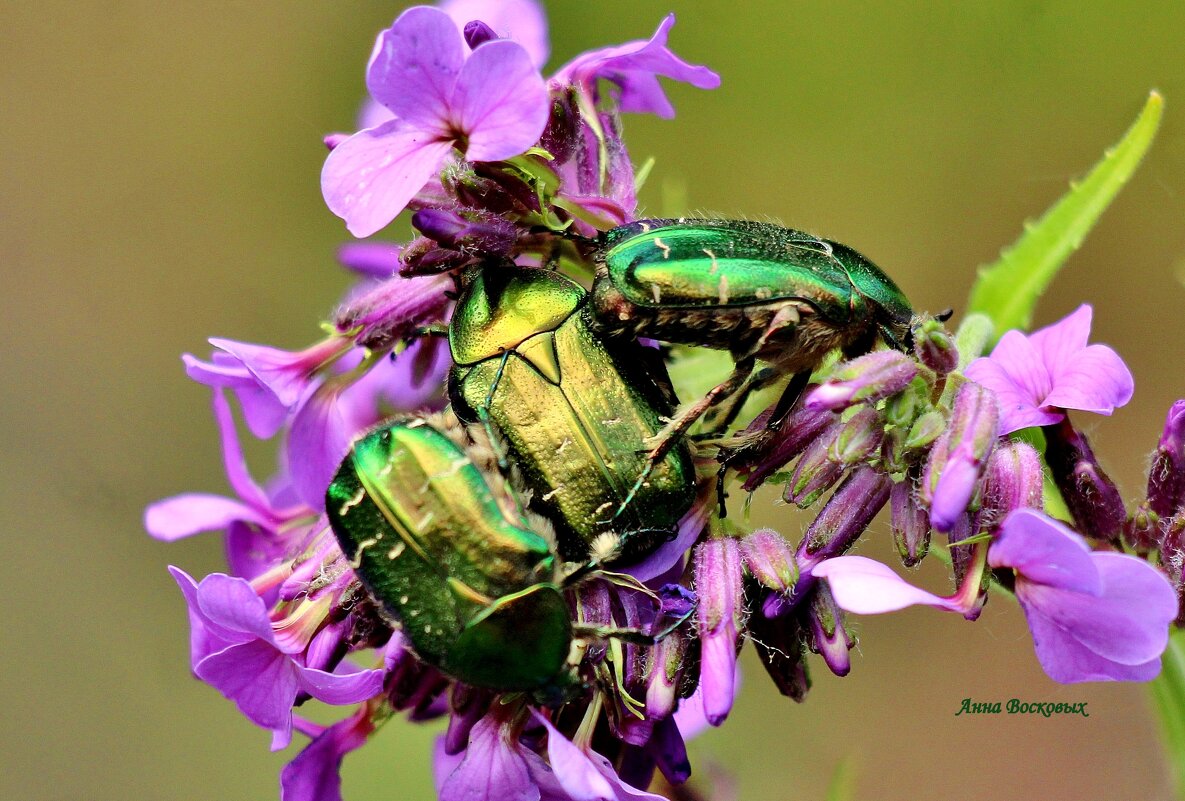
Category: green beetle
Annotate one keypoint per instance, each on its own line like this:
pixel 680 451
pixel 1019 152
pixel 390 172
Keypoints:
pixel 439 543
pixel 572 409
pixel 755 289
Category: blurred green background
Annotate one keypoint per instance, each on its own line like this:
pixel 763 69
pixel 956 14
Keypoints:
pixel 160 185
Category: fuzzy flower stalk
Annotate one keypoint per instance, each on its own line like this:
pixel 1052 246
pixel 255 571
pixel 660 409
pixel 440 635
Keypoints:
pixel 572 605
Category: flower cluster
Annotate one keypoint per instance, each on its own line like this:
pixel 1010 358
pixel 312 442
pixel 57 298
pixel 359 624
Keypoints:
pixel 500 165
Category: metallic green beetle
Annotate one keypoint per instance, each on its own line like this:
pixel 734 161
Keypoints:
pixel 572 409
pixel 441 546
pixel 755 289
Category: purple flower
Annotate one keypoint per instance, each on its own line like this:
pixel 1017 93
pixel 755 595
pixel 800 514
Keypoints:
pixel 866 379
pixel 268 382
pixel 495 767
pixel 1038 376
pixel 1095 616
pixel 234 648
pixel 490 103
pixel 634 67
pixel 520 20
pixel 1166 476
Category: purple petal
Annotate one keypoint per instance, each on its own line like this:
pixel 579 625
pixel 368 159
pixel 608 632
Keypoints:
pixel 669 553
pixel 315 773
pixel 1018 407
pixel 371 259
pixel 202 641
pixel 500 102
pixel 232 456
pixel 956 485
pixel 230 605
pixel 1058 343
pixel 867 587
pixel 283 372
pixel 341 689
pixel 251 550
pixel 633 67
pixel 493 769
pixel 1043 551
pixel 369 178
pixel 262 411
pixel 1127 624
pixel 259 679
pixel 520 20
pixel 577 775
pixel 414 66
pixel 717 673
pixel 371 115
pixel 1094 380
pixel 191 513
pixel 623 791
pixel 1067 661
pixel 320 438
pixel 443 763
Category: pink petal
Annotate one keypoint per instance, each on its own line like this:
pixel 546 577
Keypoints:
pixel 232 456
pixel 1094 380
pixel 500 102
pixel 1044 551
pixel 1022 363
pixel 195 512
pixel 1058 343
pixel 414 66
pixel 320 438
pixel 231 604
pixel 718 673
pixel 867 587
pixel 258 678
pixel 369 178
pixel 520 20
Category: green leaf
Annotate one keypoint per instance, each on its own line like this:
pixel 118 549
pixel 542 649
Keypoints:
pixel 1168 699
pixel 1007 291
pixel 843 781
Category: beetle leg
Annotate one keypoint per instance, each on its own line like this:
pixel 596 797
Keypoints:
pixel 632 636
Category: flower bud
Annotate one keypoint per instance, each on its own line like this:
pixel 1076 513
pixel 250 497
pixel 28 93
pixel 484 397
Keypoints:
pixel 796 434
pixel 829 638
pixel 925 429
pixel 866 379
pixel 859 437
pixel 1091 495
pixel 665 670
pixel 394 310
pixel 1166 476
pixel 816 470
pixel 910 524
pixel 422 256
pixel 959 456
pixel 781 645
pixel 467 705
pixel 1142 529
pixel 904 407
pixel 721 616
pixel 935 346
pixel 471 232
pixel 478 33
pixel 371 259
pixel 1013 480
pixel 845 516
pixel 770 560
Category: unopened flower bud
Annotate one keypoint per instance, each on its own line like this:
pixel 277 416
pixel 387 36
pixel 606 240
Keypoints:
pixel 904 407
pixel 959 456
pixel 859 436
pixel 801 428
pixel 478 33
pixel 372 259
pixel 664 674
pixel 910 524
pixel 471 232
pixel 1013 480
pixel 423 256
pixel 829 637
pixel 1142 529
pixel 935 346
pixel 781 645
pixel 866 379
pixel 1091 495
pixel 845 516
pixel 1166 476
pixel 770 560
pixel 816 470
pixel 467 705
pixel 925 429
pixel 721 616
pixel 394 310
